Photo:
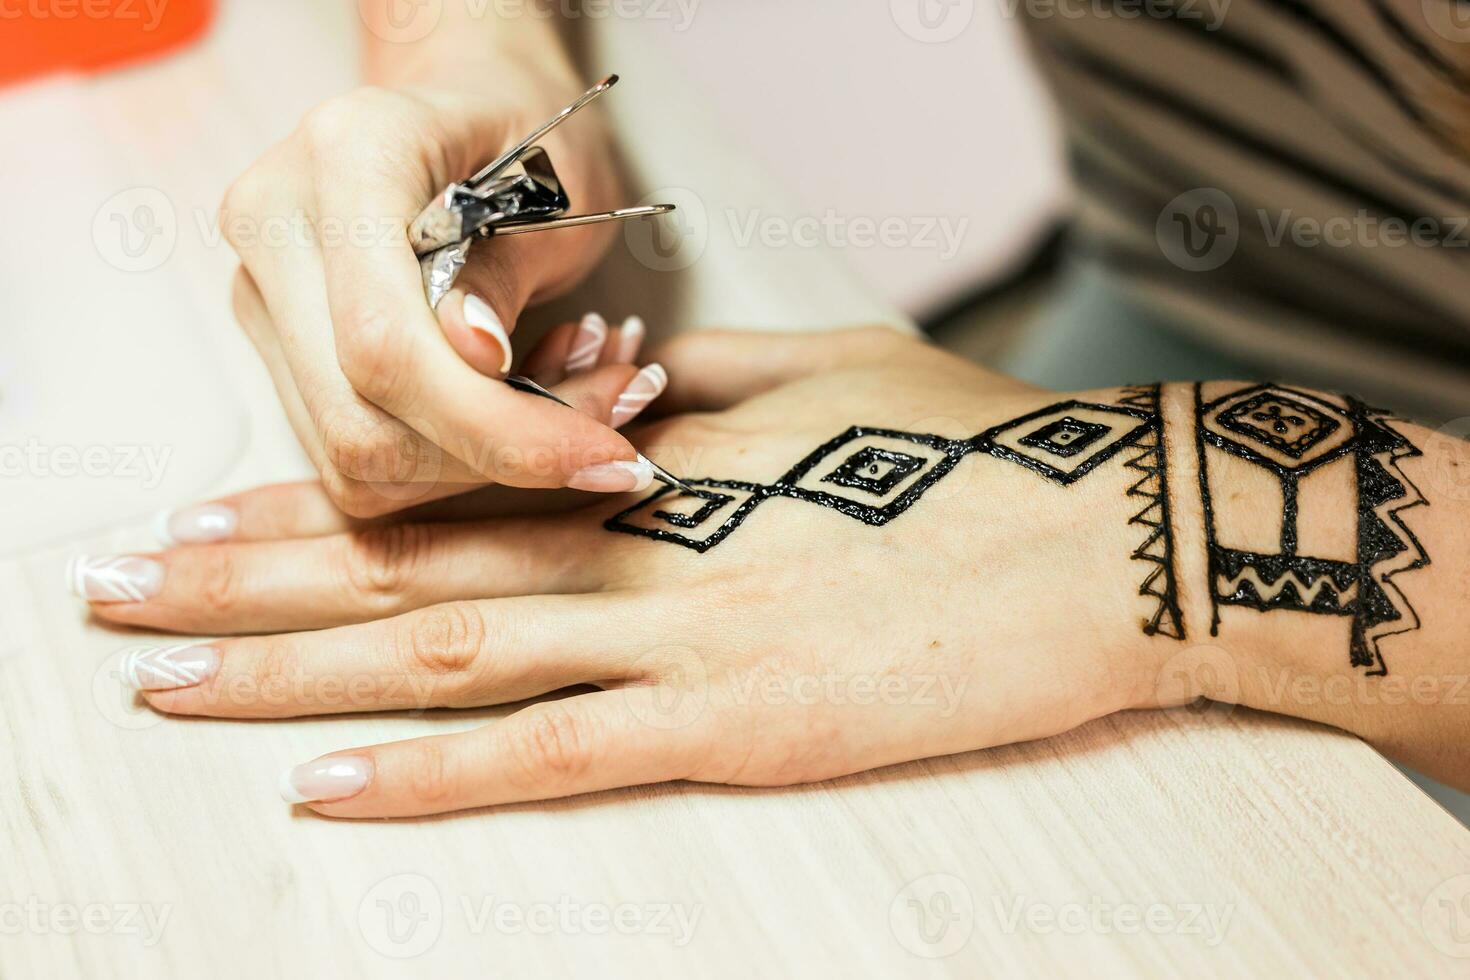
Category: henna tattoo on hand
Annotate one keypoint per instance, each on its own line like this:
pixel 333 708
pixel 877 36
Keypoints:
pixel 1309 446
pixel 1303 439
pixel 874 475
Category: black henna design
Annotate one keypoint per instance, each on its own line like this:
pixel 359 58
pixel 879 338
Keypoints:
pixel 1296 436
pixel 1152 487
pixel 873 475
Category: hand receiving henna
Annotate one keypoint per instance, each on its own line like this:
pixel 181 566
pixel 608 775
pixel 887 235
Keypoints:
pixel 894 554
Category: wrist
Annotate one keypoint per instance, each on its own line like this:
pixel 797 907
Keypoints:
pixel 1301 553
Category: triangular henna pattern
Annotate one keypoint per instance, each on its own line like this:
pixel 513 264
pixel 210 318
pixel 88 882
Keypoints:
pixel 1152 487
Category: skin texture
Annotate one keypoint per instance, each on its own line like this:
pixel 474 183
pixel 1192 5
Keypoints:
pixel 1001 606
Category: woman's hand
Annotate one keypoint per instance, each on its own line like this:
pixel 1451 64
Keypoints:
pixel 392 403
pixel 893 554
pixel 808 643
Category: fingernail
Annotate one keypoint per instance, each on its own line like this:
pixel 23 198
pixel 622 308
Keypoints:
pixel 587 345
pixel 201 524
pixel 482 320
pixel 326 780
pixel 632 339
pixel 617 477
pixel 115 578
pixel 168 668
pixel 646 385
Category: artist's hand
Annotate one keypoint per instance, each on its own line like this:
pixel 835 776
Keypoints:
pixel 395 405
pixel 999 606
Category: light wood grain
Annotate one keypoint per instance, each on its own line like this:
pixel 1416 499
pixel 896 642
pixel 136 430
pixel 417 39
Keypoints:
pixel 1314 856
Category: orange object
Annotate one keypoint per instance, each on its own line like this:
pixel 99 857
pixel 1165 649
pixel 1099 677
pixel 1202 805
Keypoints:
pixel 38 37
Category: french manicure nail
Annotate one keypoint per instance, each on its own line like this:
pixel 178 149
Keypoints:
pixel 201 524
pixel 632 335
pixel 616 477
pixel 115 578
pixel 646 385
pixel 326 780
pixel 587 345
pixel 168 668
pixel 482 320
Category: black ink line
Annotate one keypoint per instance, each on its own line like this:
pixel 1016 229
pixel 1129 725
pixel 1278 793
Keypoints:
pixel 1212 565
pixel 1289 507
pixel 883 482
pixel 1292 435
pixel 1153 488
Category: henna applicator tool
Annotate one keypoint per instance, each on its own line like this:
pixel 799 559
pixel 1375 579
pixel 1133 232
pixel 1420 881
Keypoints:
pixel 497 202
pixel 659 473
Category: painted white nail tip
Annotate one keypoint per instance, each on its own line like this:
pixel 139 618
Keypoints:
pixel 326 780
pixel 646 385
pixel 168 668
pixel 114 578
pixel 160 529
pixel 587 345
pixel 288 790
pixel 634 331
pixel 478 314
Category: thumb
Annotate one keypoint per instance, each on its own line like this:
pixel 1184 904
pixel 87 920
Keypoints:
pixel 476 330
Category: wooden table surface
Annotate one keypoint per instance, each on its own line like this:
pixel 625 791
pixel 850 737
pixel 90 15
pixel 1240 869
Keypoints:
pixel 1210 842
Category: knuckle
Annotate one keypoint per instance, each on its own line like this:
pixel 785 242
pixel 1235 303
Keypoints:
pixel 433 776
pixel 362 444
pixel 273 665
pixel 444 641
pixel 331 123
pixel 351 497
pixel 244 198
pixel 551 745
pixel 381 563
pixel 219 581
pixel 373 356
